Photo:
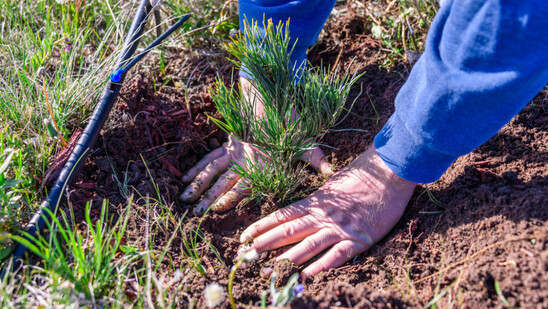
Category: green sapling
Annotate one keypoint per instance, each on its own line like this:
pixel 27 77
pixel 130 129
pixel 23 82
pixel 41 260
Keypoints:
pixel 291 107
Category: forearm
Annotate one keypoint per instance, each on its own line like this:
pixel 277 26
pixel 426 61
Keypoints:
pixel 483 61
pixel 306 19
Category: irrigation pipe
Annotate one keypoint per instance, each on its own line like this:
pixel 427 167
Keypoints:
pixel 98 118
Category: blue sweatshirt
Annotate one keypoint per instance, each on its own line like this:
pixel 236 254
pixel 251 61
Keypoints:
pixel 484 60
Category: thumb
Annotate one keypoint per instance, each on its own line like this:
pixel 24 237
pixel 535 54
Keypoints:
pixel 316 159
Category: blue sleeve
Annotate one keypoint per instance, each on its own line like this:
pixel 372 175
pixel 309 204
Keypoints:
pixel 307 18
pixel 484 60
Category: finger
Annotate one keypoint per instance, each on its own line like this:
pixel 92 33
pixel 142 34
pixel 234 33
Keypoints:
pixel 204 178
pixel 232 197
pixel 274 219
pixel 221 186
pixel 310 247
pixel 285 234
pixel 336 256
pixel 316 159
pixel 196 169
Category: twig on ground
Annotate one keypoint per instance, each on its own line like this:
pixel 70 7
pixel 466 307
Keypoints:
pixel 453 265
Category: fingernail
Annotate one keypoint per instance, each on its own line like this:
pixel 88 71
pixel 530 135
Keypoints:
pixel 243 249
pixel 199 210
pixel 266 272
pixel 244 237
pixel 185 197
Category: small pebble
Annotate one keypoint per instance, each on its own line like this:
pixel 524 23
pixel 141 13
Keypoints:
pixel 126 117
pixel 266 272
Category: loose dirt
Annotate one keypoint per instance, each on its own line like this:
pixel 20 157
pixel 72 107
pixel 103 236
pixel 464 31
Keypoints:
pixel 486 224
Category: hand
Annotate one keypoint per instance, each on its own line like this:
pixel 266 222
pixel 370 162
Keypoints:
pixel 229 190
pixel 356 208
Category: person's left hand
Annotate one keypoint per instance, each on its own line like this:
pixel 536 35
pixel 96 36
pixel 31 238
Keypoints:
pixel 229 189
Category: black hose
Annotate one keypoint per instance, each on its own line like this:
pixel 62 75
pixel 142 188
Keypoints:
pixel 91 132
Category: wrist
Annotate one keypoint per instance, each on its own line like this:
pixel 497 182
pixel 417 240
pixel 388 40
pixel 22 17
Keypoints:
pixel 375 166
pixel 250 94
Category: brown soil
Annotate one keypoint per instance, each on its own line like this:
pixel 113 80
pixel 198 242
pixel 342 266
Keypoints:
pixel 489 227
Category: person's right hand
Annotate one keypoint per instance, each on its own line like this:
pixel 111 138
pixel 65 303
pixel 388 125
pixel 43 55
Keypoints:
pixel 352 211
pixel 229 188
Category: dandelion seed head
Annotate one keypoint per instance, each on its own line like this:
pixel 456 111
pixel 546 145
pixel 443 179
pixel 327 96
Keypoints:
pixel 214 295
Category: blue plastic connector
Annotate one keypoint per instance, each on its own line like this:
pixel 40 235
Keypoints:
pixel 116 77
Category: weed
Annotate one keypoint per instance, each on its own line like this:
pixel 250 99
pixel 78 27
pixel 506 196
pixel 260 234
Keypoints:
pixel 246 257
pixel 439 295
pixel 214 295
pixel 9 198
pixel 501 296
pixel 291 290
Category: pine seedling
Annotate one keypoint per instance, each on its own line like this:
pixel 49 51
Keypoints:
pixel 300 105
pixel 270 179
pixel 236 110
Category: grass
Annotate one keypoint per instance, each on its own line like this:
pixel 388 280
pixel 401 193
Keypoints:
pixel 501 295
pixel 59 56
pixel 84 259
pixel 401 26
pixel 99 263
pixel 54 62
pixel 270 180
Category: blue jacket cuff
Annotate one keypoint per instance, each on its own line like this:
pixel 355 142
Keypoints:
pixel 407 156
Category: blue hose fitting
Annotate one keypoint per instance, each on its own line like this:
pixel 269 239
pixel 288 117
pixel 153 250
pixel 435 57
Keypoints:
pixel 116 77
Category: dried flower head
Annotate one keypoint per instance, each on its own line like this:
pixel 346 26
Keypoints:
pixel 250 256
pixel 214 295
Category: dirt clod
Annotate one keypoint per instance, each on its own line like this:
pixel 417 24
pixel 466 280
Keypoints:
pixel 284 269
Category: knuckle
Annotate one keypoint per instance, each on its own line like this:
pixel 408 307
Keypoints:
pixel 281 215
pixel 258 244
pixel 311 245
pixel 219 186
pixel 321 266
pixel 342 252
pixel 288 230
